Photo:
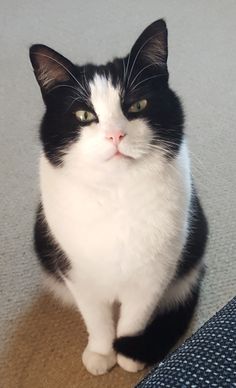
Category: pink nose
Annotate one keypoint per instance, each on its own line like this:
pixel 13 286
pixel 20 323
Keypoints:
pixel 115 136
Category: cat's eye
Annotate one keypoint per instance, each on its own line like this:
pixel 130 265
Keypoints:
pixel 85 116
pixel 138 106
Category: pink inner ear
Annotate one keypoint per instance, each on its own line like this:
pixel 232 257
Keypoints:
pixel 155 52
pixel 51 71
pixel 48 77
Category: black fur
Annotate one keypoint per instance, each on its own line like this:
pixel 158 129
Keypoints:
pixel 161 335
pixel 138 76
pixel 50 255
pixel 196 240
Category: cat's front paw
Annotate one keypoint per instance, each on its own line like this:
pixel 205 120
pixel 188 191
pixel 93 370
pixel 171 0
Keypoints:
pixel 98 364
pixel 129 365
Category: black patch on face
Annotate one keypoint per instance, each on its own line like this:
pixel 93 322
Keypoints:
pixel 51 256
pixel 142 74
pixel 161 335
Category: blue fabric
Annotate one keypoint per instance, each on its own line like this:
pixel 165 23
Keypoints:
pixel 207 359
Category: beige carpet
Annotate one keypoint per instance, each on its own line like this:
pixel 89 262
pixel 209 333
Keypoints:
pixel 41 341
pixel 45 351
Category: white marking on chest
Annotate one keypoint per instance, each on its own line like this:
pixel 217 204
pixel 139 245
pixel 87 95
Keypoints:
pixel 129 228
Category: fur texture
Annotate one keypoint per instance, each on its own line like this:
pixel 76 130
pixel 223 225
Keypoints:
pixel 119 218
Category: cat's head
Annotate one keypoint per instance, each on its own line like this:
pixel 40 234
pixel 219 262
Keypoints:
pixel 121 111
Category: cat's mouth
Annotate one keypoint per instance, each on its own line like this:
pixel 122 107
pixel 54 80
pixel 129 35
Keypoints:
pixel 119 155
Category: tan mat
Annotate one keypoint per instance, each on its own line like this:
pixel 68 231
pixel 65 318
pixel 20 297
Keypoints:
pixel 45 351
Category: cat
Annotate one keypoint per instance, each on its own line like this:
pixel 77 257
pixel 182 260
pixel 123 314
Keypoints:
pixel 119 218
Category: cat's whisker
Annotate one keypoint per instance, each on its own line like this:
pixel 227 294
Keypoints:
pixel 74 100
pixel 65 86
pixel 171 142
pixel 145 80
pixel 85 79
pixel 202 172
pixel 127 67
pixel 142 70
pixel 124 70
pixel 161 140
pixel 66 69
pixel 199 169
pixel 193 156
pixel 136 57
pixel 159 147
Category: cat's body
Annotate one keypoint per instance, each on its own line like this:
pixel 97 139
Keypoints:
pixel 123 227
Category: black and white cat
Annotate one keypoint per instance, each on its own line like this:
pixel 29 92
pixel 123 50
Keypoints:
pixel 119 219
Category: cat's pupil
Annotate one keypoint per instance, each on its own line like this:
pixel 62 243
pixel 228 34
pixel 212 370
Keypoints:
pixel 138 106
pixel 85 115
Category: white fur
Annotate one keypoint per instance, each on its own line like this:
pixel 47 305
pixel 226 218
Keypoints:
pixel 59 290
pixel 98 364
pixel 128 364
pixel 180 289
pixel 122 222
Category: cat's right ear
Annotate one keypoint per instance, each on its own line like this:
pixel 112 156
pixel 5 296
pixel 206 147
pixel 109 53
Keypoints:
pixel 50 67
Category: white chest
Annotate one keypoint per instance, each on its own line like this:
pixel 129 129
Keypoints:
pixel 120 229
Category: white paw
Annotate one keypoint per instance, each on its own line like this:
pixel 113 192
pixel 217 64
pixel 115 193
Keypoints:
pixel 128 364
pixel 96 363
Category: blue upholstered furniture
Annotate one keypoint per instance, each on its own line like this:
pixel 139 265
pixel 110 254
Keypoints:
pixel 207 359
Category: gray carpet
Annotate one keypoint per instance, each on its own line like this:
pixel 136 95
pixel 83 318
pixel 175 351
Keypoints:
pixel 202 64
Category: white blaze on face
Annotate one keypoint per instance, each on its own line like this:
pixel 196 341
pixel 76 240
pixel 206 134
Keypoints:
pixel 106 101
pixel 93 145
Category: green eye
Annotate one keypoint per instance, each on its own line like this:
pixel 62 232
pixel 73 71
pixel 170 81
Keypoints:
pixel 138 106
pixel 85 116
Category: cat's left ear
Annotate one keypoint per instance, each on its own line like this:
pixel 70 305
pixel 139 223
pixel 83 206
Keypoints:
pixel 152 47
pixel 50 67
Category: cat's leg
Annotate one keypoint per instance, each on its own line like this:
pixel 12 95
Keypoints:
pixel 99 356
pixel 137 306
pixel 168 324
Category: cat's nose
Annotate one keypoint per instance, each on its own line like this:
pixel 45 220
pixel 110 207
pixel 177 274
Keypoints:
pixel 115 136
